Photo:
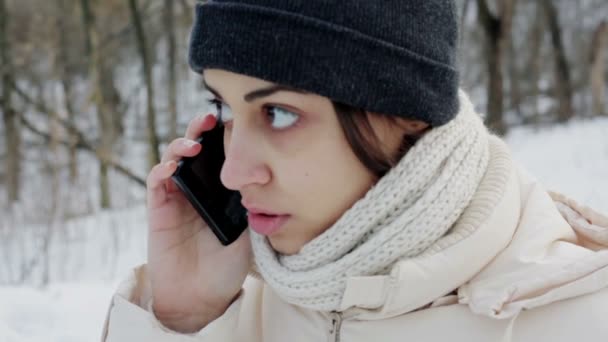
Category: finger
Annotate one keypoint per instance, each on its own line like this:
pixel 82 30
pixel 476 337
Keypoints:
pixel 199 125
pixel 170 186
pixel 179 148
pixel 155 183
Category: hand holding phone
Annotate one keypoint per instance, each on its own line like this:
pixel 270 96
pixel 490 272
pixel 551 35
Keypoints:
pixel 199 179
pixel 193 276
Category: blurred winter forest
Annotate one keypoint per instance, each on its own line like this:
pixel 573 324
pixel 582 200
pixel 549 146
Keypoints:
pixel 91 92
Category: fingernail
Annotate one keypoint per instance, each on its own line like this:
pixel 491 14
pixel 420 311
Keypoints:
pixel 189 143
pixel 204 117
pixel 169 164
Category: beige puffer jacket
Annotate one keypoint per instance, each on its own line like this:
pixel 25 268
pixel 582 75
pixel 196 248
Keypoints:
pixel 526 265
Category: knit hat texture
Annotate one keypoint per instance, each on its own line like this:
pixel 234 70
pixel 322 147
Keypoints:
pixel 395 57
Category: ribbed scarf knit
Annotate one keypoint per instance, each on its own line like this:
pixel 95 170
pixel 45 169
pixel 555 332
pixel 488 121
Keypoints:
pixel 404 213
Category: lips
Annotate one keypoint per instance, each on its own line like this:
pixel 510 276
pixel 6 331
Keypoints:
pixel 263 221
pixel 266 224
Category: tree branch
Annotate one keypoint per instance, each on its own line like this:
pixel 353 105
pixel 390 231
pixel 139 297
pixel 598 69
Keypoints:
pixel 80 140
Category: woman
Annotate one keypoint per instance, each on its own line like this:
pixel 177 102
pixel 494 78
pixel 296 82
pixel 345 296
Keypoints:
pixel 379 206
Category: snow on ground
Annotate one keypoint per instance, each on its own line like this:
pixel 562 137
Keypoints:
pixel 84 274
pixel 66 312
pixel 572 159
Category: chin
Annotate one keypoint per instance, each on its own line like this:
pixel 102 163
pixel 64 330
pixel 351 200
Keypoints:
pixel 282 246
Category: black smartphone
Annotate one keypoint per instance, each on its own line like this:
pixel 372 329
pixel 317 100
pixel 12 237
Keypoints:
pixel 198 178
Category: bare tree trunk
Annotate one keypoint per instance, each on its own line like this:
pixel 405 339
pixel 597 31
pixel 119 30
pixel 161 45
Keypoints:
pixel 65 75
pixel 598 68
pixel 105 122
pixel 581 54
pixel 186 12
pixel 153 155
pixel 73 152
pixel 169 16
pixel 563 84
pixel 11 125
pixel 514 89
pixel 55 196
pixel 112 102
pixel 497 31
pixel 535 62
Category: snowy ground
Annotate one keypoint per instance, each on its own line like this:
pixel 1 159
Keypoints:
pixel 572 159
pixel 83 273
pixel 67 312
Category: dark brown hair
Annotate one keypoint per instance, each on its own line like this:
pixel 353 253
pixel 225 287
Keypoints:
pixel 365 143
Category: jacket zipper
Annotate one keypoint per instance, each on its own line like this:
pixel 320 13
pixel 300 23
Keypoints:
pixel 336 324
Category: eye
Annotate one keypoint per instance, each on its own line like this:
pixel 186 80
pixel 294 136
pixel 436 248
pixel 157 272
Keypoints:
pixel 281 118
pixel 220 110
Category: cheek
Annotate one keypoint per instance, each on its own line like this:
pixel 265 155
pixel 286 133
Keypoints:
pixel 325 185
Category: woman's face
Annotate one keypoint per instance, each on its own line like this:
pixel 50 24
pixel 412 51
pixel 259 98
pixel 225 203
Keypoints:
pixel 287 155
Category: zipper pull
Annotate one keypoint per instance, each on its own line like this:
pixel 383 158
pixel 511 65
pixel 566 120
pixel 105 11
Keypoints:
pixel 336 323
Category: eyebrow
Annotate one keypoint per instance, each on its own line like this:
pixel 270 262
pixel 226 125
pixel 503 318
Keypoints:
pixel 259 93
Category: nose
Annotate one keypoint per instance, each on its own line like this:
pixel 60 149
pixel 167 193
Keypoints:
pixel 244 164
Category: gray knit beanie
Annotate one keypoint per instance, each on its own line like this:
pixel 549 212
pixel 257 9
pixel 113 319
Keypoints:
pixel 394 57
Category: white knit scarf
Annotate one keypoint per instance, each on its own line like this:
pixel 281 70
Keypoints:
pixel 405 212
